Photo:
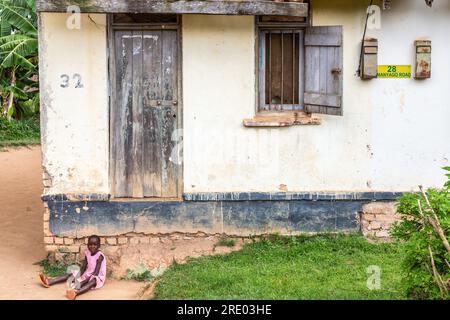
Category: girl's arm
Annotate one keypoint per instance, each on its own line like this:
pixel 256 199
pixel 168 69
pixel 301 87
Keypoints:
pixel 83 266
pixel 98 265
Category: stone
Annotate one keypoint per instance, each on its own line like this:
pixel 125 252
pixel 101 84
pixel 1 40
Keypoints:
pixel 46 216
pixel 382 234
pixel 102 240
pixel 69 249
pixel 51 248
pixel 158 271
pixel 111 241
pixel 48 240
pixel 68 241
pixel 122 240
pixel 134 241
pixel 374 226
pixel 154 240
pixel 388 218
pixel 144 240
pixel 74 249
pixel 368 217
pixel 59 240
pixel 47 229
pixel 110 250
pixel 380 208
pixel 47 183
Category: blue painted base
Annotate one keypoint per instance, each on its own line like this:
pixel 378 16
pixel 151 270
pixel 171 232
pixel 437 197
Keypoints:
pixel 235 217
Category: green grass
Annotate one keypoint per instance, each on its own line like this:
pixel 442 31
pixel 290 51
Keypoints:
pixel 319 267
pixel 19 133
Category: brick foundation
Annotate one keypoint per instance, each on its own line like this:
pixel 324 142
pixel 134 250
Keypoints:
pixel 125 252
pixel 377 218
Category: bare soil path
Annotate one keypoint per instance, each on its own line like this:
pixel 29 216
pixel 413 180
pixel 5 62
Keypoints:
pixel 21 233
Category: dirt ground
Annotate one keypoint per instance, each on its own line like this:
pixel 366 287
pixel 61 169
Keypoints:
pixel 21 233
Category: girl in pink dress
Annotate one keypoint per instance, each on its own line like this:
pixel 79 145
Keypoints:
pixel 93 271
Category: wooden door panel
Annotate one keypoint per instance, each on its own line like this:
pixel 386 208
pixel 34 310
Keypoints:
pixel 146 114
pixel 152 152
pixel 169 65
pixel 169 151
pixel 121 115
pixel 152 65
pixel 134 151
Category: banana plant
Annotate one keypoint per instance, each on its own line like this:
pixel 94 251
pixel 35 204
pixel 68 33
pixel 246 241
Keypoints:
pixel 18 58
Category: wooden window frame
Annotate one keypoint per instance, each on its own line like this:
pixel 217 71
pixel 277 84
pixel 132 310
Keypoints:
pixel 261 29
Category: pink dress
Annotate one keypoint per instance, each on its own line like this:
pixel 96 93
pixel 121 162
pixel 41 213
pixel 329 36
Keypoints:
pixel 91 263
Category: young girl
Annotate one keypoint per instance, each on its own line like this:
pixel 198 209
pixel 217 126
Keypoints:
pixel 93 271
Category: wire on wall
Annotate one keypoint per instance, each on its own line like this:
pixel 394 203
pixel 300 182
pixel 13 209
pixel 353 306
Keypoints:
pixel 358 72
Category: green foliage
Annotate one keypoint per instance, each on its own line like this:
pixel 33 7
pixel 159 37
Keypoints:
pixel 276 267
pixel 225 242
pixel 139 273
pixel 419 236
pixel 16 133
pixel 52 269
pixel 18 59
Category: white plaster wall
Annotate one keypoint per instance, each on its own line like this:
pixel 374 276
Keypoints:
pixel 393 136
pixel 74 121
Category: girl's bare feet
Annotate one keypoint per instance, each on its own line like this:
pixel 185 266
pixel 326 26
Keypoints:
pixel 71 294
pixel 44 280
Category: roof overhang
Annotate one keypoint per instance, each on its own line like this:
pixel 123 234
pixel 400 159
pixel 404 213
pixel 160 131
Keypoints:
pixel 244 7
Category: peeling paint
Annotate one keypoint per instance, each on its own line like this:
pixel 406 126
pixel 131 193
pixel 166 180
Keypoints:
pixel 233 218
pixel 70 117
pixel 375 146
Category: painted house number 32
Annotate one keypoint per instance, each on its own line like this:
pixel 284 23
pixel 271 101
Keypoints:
pixel 65 81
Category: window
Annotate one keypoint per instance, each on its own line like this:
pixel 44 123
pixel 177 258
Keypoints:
pixel 144 18
pixel 281 67
pixel 299 67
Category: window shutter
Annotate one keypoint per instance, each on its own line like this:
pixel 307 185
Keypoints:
pixel 323 70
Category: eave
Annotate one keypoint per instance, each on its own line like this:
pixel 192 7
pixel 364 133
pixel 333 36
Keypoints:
pixel 244 7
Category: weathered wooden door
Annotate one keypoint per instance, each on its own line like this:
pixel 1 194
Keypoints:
pixel 144 114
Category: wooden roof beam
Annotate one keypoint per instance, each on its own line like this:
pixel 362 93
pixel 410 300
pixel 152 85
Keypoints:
pixel 235 7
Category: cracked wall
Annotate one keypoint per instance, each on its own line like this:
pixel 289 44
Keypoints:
pixel 74 104
pixel 393 135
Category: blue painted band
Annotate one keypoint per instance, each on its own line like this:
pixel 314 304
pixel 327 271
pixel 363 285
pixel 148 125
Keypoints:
pixel 244 218
pixel 250 196
pixel 76 197
pixel 292 196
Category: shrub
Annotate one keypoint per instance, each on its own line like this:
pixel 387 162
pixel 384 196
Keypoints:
pixel 16 132
pixel 424 228
pixel 52 268
pixel 139 273
pixel 225 242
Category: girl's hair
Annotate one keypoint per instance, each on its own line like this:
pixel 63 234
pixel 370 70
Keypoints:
pixel 94 237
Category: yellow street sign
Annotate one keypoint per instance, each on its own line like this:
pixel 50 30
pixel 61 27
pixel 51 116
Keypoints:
pixel 394 71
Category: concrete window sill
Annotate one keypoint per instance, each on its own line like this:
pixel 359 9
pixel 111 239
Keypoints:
pixel 281 119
